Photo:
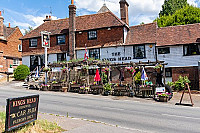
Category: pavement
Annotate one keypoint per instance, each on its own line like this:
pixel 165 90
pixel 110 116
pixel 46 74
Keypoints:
pixel 79 125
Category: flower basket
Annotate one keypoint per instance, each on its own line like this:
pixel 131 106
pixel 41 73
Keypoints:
pixel 163 98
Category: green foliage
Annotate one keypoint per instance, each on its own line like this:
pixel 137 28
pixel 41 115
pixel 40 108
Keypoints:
pixel 107 87
pixel 28 30
pixel 21 72
pixel 137 77
pixel 171 84
pixel 171 6
pixel 105 77
pixel 180 83
pixel 186 15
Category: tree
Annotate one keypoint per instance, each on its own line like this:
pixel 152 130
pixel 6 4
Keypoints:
pixel 186 15
pixel 171 6
pixel 28 30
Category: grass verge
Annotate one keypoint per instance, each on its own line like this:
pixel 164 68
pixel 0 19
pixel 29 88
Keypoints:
pixel 40 126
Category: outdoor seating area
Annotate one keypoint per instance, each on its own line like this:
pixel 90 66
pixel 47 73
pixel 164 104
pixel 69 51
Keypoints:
pixel 104 78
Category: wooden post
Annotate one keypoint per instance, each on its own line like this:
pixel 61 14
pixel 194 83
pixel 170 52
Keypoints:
pixel 88 78
pixel 164 74
pixel 109 73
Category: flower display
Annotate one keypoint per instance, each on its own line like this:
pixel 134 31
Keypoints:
pixel 157 66
pixel 45 85
pixel 130 69
pixel 73 82
pixel 165 94
pixel 106 69
pixel 64 69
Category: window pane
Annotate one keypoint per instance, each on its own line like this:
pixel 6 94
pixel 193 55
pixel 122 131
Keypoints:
pixel 186 50
pixel 61 57
pixel 139 52
pixel 163 50
pixel 61 39
pixel 94 53
pixel 33 42
pixel 193 49
pixel 92 35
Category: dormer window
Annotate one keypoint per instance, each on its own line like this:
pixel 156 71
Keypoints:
pixel 92 35
pixel 33 43
pixel 60 39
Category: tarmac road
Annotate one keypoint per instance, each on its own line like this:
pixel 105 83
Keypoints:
pixel 134 115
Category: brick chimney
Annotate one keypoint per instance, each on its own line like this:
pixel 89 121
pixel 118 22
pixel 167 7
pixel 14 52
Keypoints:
pixel 1 26
pixel 124 11
pixel 72 29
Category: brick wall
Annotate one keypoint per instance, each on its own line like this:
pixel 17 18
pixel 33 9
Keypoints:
pixel 104 36
pixel 9 50
pixel 190 72
pixel 54 48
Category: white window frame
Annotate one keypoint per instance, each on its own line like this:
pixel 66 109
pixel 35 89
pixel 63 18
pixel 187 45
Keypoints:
pixel 31 41
pixel 15 62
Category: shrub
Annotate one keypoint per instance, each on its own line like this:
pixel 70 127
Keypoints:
pixel 138 78
pixel 180 83
pixel 21 72
pixel 107 87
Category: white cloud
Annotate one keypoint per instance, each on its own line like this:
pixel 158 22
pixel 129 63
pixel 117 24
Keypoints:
pixel 193 2
pixel 139 11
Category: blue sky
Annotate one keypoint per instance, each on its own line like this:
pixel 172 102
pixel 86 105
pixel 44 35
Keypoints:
pixel 24 13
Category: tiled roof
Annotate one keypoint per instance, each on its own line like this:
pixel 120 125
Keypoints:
pixel 86 22
pixel 7 31
pixel 183 34
pixel 141 34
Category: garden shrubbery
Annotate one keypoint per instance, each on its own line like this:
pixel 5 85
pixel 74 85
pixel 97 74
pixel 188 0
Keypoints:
pixel 180 83
pixel 21 72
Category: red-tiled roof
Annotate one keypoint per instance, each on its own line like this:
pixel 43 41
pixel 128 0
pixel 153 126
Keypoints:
pixel 183 34
pixel 141 34
pixel 86 22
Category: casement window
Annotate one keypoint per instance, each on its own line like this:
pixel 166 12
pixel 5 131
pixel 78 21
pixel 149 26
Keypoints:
pixel 139 51
pixel 20 48
pixel 92 35
pixel 164 50
pixel 16 62
pixel 94 53
pixel 60 39
pixel 33 43
pixel 168 72
pixel 191 49
pixel 61 57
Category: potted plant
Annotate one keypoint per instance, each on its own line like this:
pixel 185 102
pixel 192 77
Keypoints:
pixel 107 89
pixel 45 87
pixel 46 69
pixel 158 67
pixel 163 97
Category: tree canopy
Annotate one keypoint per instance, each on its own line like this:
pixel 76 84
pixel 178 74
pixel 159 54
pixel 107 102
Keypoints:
pixel 171 6
pixel 186 15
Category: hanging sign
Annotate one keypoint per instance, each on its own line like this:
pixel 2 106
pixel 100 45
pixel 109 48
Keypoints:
pixel 45 39
pixel 21 111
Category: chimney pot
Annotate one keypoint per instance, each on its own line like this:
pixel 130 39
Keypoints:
pixel 72 2
pixel 9 25
pixel 0 13
pixel 46 16
pixel 49 16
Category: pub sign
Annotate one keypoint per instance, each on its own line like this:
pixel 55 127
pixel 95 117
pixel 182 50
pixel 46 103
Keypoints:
pixel 21 111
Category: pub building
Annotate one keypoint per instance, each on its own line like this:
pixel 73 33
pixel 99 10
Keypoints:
pixel 108 37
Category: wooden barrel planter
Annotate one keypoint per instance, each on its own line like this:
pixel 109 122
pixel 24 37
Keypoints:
pixel 163 99
pixel 96 89
pixel 120 91
pixel 74 88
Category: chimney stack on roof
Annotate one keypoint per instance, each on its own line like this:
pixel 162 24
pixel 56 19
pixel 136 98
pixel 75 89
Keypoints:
pixel 1 26
pixel 124 11
pixel 72 28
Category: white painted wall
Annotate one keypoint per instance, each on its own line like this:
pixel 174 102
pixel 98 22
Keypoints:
pixel 52 58
pixel 26 60
pixel 126 54
pixel 177 59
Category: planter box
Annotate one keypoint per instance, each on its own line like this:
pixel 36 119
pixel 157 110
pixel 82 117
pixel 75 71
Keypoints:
pixel 163 99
